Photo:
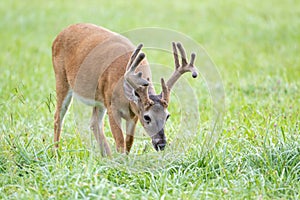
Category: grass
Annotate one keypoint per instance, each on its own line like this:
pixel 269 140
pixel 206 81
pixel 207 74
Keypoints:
pixel 256 48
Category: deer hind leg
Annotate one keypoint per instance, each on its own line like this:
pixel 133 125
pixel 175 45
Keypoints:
pixel 97 126
pixel 63 98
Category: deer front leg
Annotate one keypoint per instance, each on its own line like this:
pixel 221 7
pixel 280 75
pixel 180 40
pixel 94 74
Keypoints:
pixel 115 127
pixel 97 126
pixel 130 129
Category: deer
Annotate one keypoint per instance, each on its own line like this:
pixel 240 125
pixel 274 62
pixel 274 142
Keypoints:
pixel 106 71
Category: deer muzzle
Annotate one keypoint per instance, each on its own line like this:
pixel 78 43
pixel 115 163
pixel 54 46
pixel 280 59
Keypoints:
pixel 159 140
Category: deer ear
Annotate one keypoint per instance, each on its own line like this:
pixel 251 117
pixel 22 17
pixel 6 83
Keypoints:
pixel 129 92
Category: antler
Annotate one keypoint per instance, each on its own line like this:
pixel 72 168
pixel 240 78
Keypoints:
pixel 179 69
pixel 135 80
pixel 165 94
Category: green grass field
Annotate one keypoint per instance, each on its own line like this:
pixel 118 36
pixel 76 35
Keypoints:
pixel 255 46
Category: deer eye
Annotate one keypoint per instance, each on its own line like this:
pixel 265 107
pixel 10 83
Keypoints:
pixel 167 117
pixel 147 119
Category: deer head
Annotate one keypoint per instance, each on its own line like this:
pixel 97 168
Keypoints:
pixel 151 108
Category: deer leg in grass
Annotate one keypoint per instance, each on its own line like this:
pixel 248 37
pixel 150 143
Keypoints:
pixel 115 127
pixel 130 129
pixel 63 101
pixel 97 126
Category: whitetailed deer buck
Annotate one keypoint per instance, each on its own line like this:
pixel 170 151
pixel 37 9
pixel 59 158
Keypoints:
pixel 104 70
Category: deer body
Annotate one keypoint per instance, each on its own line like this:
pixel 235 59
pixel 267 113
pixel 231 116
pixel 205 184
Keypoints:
pixel 104 70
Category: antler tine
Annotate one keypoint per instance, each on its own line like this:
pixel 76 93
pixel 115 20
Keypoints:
pixel 165 91
pixel 184 67
pixel 193 70
pixel 134 54
pixel 182 53
pixel 136 62
pixel 175 53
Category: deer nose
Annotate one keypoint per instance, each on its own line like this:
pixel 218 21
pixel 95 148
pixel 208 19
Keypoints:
pixel 159 145
pixel 159 141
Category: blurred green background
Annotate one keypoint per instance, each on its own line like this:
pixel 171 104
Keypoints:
pixel 254 44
